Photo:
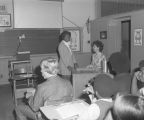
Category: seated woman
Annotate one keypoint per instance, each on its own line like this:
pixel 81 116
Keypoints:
pixel 123 107
pixel 121 66
pixel 128 107
pixel 52 90
pixel 138 79
pixel 98 59
pixel 108 86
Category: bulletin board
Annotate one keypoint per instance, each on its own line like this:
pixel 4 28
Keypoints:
pixel 75 38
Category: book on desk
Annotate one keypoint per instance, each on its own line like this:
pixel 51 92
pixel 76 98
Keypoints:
pixel 65 111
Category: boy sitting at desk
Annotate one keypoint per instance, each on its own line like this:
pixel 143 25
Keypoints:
pixel 53 89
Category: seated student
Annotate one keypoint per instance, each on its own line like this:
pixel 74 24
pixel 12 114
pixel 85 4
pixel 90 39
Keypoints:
pixel 53 89
pixel 128 107
pixel 121 65
pixel 98 58
pixel 107 86
pixel 138 79
pixel 98 105
pixel 123 107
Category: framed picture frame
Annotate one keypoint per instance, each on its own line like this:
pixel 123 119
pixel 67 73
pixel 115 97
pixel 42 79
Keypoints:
pixel 103 34
pixel 75 38
pixel 138 37
pixel 5 20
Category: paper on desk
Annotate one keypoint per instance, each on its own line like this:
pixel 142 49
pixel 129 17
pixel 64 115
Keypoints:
pixel 71 109
pixel 106 99
pixel 65 110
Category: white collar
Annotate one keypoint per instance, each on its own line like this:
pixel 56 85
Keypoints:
pixel 67 45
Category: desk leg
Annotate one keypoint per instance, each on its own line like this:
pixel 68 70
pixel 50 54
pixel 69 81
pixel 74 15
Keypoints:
pixel 14 93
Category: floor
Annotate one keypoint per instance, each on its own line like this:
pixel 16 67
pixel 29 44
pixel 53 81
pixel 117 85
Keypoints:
pixel 6 103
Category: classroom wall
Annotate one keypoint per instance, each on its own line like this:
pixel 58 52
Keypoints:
pixel 137 21
pixel 77 12
pixel 112 27
pixel 9 9
pixel 112 24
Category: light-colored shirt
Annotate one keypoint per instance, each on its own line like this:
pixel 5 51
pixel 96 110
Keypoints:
pixel 92 113
pixel 67 46
pixel 97 59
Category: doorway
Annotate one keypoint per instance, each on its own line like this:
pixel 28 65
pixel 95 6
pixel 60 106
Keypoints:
pixel 126 38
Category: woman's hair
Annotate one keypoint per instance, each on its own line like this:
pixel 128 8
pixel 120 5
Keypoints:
pixel 128 107
pixel 99 44
pixel 63 34
pixel 50 65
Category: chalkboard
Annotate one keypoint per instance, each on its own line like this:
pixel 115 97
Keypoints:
pixel 37 41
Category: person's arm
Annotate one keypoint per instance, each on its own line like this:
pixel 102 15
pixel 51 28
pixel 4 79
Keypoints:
pixel 104 106
pixel 104 64
pixel 37 101
pixel 74 61
pixel 92 59
pixel 134 88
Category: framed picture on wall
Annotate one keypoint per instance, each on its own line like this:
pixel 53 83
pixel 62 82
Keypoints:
pixel 138 37
pixel 75 38
pixel 5 20
pixel 103 34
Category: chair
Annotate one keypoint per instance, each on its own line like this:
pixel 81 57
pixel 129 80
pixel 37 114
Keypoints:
pixel 22 78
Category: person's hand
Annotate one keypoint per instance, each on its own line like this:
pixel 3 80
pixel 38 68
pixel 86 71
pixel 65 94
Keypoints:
pixel 70 68
pixel 28 94
pixel 76 65
pixel 98 95
pixel 141 91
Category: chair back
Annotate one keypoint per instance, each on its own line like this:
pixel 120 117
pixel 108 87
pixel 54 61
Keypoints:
pixel 22 68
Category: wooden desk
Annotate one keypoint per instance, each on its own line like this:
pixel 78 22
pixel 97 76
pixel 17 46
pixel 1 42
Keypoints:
pixel 80 79
pixel 21 84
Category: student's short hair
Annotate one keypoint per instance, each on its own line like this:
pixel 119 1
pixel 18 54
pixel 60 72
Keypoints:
pixel 128 107
pixel 64 33
pixel 99 44
pixel 119 62
pixel 50 65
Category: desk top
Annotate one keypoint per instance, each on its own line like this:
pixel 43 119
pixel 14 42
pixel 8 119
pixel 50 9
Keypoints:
pixel 23 76
pixel 86 70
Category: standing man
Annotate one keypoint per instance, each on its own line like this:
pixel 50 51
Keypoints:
pixel 67 62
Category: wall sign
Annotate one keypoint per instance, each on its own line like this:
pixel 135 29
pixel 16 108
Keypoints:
pixel 75 38
pixel 5 20
pixel 138 37
pixel 103 34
